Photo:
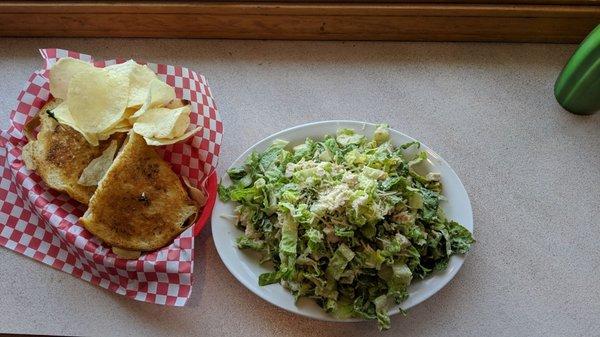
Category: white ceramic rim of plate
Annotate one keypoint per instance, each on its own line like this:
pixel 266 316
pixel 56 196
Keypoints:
pixel 419 291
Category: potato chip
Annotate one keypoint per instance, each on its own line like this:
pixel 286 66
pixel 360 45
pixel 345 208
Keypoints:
pixel 92 138
pixel 163 141
pixel 163 122
pixel 196 194
pixel 162 93
pixel 63 116
pixel 121 126
pixel 61 113
pixel 97 99
pixel 140 77
pixel 61 74
pixel 98 167
pixel 129 112
pixel 159 94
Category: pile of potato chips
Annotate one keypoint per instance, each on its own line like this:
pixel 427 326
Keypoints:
pixel 98 102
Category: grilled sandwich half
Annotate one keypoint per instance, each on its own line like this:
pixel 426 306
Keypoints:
pixel 140 204
pixel 59 154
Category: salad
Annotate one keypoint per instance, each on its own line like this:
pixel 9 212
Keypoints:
pixel 348 221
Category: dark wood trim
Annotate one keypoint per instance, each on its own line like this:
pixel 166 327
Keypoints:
pixel 307 21
pixel 484 2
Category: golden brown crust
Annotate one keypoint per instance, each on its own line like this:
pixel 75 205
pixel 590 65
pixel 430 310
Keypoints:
pixel 60 154
pixel 140 204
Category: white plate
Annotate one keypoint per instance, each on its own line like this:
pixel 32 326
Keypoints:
pixel 243 264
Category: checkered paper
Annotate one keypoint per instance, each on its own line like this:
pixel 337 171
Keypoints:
pixel 41 223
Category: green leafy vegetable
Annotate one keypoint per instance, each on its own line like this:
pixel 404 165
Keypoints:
pixel 346 220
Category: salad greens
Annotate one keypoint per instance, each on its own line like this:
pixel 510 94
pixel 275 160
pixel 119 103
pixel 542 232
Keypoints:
pixel 348 221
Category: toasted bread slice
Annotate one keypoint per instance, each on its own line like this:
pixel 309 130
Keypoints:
pixel 59 154
pixel 140 203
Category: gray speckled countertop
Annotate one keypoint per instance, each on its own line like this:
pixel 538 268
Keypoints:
pixel 531 169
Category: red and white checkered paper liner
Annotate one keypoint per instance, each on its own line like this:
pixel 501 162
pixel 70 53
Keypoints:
pixel 43 224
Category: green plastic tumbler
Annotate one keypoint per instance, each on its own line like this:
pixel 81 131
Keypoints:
pixel 577 88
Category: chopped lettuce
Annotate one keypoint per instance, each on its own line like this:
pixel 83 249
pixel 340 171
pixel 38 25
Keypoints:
pixel 346 220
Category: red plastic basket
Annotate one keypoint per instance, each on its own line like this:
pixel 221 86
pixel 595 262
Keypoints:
pixel 211 187
pixel 41 223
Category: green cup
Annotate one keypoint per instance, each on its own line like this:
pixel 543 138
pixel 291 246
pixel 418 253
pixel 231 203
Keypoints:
pixel 577 88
